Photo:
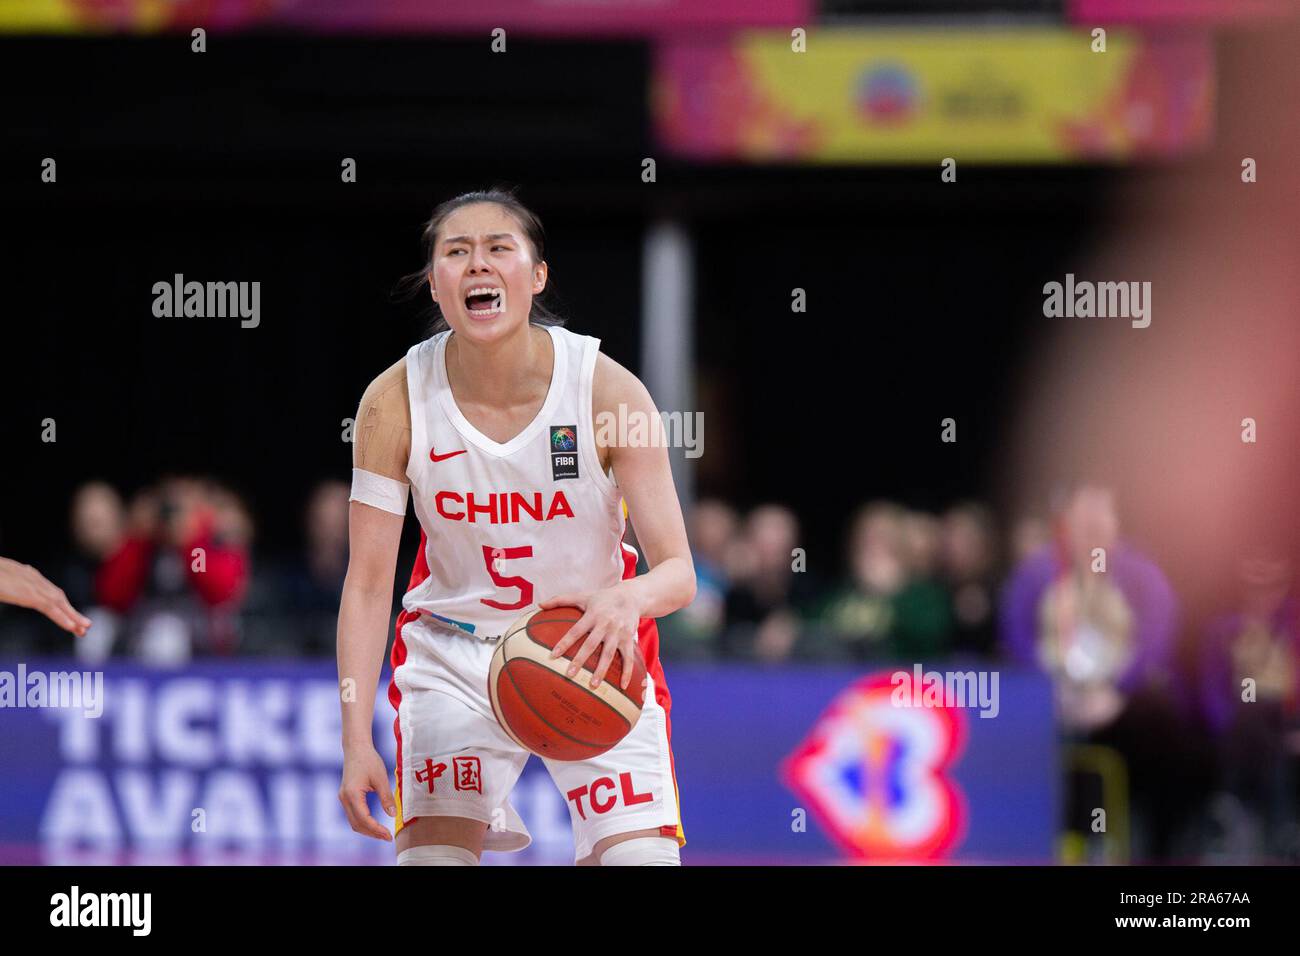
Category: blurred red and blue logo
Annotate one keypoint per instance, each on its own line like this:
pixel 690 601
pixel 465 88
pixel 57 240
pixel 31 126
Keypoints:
pixel 875 774
pixel 887 94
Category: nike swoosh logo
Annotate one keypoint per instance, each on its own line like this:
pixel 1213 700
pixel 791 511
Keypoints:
pixel 434 456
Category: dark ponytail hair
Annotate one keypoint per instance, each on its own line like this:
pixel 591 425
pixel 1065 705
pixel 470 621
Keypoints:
pixel 412 283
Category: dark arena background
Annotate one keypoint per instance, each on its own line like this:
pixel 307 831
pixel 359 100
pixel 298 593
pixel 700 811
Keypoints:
pixel 843 243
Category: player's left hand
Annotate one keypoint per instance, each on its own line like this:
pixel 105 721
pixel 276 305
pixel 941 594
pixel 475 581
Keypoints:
pixel 609 622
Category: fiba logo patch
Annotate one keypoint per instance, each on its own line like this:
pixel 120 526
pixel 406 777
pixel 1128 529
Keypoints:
pixel 564 451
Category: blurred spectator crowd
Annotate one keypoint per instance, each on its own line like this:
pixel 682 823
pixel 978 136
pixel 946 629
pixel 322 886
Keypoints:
pixel 1203 717
pixel 1206 723
pixel 170 575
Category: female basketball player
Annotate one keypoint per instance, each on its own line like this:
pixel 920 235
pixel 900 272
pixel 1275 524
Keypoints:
pixel 468 421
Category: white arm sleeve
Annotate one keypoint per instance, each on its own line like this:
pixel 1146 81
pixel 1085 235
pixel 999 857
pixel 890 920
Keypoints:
pixel 380 492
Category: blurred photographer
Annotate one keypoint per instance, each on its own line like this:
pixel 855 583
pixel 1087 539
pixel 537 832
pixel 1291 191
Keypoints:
pixel 180 574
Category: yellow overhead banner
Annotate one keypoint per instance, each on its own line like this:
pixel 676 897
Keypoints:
pixel 997 95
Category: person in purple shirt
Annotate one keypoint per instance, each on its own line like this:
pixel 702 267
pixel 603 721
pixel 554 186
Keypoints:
pixel 1249 684
pixel 1098 617
pixel 1100 630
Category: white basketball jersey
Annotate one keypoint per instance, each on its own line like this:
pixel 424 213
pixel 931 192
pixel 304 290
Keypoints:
pixel 508 525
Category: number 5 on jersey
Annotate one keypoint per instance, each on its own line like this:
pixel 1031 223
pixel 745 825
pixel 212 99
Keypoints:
pixel 491 558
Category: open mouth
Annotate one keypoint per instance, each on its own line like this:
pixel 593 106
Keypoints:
pixel 485 301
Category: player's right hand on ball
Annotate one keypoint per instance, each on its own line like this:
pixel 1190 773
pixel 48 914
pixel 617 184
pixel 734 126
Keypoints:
pixel 364 772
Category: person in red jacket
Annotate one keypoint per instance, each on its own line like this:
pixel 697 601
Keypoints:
pixel 181 572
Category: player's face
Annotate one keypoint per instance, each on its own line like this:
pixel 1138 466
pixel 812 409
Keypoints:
pixel 482 250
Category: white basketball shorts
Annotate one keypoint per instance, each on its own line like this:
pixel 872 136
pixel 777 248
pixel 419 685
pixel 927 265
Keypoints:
pixel 454 759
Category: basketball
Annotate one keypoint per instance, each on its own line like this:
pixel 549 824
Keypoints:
pixel 549 713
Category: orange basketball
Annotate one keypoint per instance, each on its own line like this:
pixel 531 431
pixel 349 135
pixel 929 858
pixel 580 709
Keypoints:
pixel 549 713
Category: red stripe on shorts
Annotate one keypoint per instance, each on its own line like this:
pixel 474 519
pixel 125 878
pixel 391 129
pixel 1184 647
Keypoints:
pixel 418 575
pixel 647 636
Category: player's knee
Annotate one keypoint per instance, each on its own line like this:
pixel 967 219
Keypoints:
pixel 643 851
pixel 459 833
pixel 437 855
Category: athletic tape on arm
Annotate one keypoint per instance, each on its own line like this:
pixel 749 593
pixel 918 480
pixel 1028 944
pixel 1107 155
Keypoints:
pixel 381 442
pixel 379 492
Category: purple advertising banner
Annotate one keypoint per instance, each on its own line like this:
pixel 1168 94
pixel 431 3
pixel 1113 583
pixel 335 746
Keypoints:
pixel 240 763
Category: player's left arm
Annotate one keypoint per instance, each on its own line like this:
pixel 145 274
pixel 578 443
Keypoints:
pixel 611 616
